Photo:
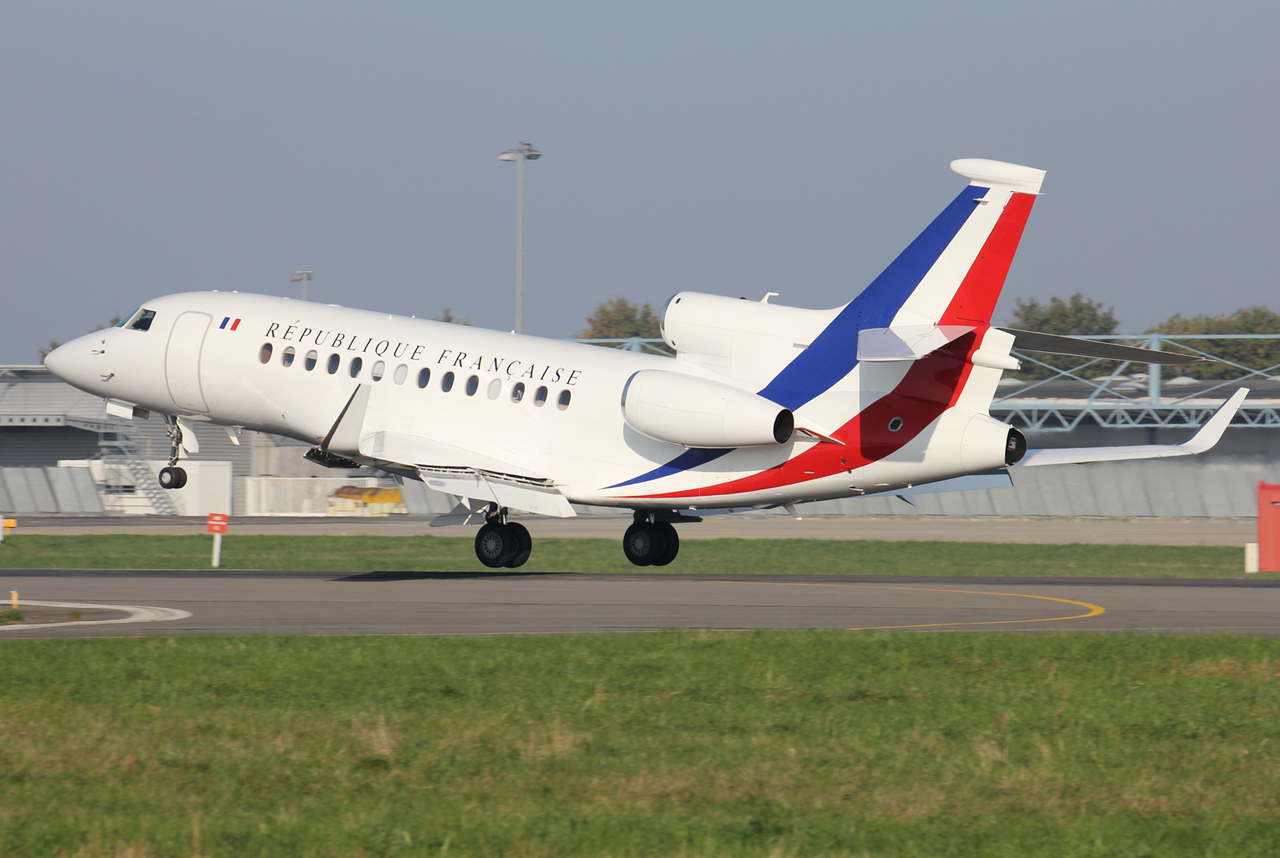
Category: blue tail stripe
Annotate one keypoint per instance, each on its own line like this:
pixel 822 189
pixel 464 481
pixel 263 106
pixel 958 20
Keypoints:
pixel 834 353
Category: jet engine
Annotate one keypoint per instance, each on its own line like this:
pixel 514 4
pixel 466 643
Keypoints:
pixel 698 412
pixel 747 341
pixel 987 443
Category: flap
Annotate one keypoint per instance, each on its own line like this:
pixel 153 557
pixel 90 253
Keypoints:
pixel 907 342
pixel 511 491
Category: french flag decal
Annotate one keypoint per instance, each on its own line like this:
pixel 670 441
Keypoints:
pixel 234 324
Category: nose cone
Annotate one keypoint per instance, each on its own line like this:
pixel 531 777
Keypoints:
pixel 59 361
pixel 70 362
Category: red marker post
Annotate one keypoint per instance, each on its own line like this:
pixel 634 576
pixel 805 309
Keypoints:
pixel 1268 528
pixel 217 525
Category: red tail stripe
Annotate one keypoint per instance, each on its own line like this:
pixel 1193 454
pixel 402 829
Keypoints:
pixel 976 298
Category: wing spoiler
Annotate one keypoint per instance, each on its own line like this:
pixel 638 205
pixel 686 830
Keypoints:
pixel 1058 345
pixel 1204 439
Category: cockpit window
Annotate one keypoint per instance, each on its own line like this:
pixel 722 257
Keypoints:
pixel 139 321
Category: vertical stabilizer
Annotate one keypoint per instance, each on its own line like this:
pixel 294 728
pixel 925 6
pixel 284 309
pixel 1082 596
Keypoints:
pixel 949 277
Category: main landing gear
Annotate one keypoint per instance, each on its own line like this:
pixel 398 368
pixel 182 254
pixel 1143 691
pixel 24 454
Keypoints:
pixel 502 543
pixel 173 477
pixel 649 542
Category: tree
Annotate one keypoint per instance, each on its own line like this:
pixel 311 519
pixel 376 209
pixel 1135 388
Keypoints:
pixel 447 316
pixel 618 318
pixel 1077 316
pixel 1250 353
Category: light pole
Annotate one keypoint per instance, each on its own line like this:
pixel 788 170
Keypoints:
pixel 524 153
pixel 303 277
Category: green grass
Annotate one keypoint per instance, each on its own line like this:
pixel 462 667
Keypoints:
pixel 717 556
pixel 690 744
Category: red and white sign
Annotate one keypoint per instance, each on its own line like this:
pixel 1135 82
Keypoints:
pixel 217 522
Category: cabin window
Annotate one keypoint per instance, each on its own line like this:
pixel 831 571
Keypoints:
pixel 495 388
pixel 356 363
pixel 286 357
pixel 402 372
pixel 334 361
pixel 310 362
pixel 895 424
pixel 563 402
pixel 473 384
pixel 540 397
pixel 517 391
pixel 424 377
pixel 446 383
pixel 264 354
pixel 378 371
pixel 141 320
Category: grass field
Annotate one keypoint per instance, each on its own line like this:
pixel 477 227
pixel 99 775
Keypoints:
pixel 687 744
pixel 800 556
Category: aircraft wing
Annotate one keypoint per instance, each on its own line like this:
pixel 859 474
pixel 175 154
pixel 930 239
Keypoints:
pixel 468 474
pixel 1204 439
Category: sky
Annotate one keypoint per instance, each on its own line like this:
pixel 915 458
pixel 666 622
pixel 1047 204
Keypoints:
pixel 727 147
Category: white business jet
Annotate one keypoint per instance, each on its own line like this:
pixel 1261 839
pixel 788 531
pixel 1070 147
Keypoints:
pixel 762 406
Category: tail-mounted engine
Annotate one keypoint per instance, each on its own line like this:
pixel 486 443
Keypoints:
pixel 987 443
pixel 698 412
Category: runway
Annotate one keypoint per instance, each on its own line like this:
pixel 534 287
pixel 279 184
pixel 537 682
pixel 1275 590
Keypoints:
pixel 422 603
pixel 1054 531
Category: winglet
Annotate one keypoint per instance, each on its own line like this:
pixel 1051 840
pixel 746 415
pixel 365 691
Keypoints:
pixel 1211 432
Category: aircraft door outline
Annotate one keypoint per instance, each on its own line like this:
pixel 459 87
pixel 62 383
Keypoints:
pixel 182 361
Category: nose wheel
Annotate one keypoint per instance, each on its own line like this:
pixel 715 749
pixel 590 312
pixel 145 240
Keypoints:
pixel 650 543
pixel 173 477
pixel 503 544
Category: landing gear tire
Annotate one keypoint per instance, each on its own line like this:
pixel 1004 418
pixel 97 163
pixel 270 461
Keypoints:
pixel 172 478
pixel 673 543
pixel 497 545
pixel 525 543
pixel 645 544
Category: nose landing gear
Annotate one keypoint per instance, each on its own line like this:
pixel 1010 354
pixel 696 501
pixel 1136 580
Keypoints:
pixel 173 477
pixel 650 543
pixel 501 543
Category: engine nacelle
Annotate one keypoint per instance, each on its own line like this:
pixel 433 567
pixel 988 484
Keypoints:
pixel 698 412
pixel 748 341
pixel 987 443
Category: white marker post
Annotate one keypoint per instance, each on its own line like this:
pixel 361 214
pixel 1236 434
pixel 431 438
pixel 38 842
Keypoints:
pixel 217 525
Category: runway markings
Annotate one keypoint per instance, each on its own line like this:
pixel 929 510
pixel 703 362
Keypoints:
pixel 1094 610
pixel 137 614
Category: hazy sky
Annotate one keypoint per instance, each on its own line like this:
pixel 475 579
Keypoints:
pixel 727 147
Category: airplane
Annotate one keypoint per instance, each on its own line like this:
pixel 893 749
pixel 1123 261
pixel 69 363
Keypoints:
pixel 762 405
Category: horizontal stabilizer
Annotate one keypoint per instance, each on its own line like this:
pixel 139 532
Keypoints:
pixel 909 342
pixel 1058 345
pixel 1204 439
pixel 986 173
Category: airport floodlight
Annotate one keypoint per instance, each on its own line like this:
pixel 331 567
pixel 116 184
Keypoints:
pixel 524 153
pixel 304 277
